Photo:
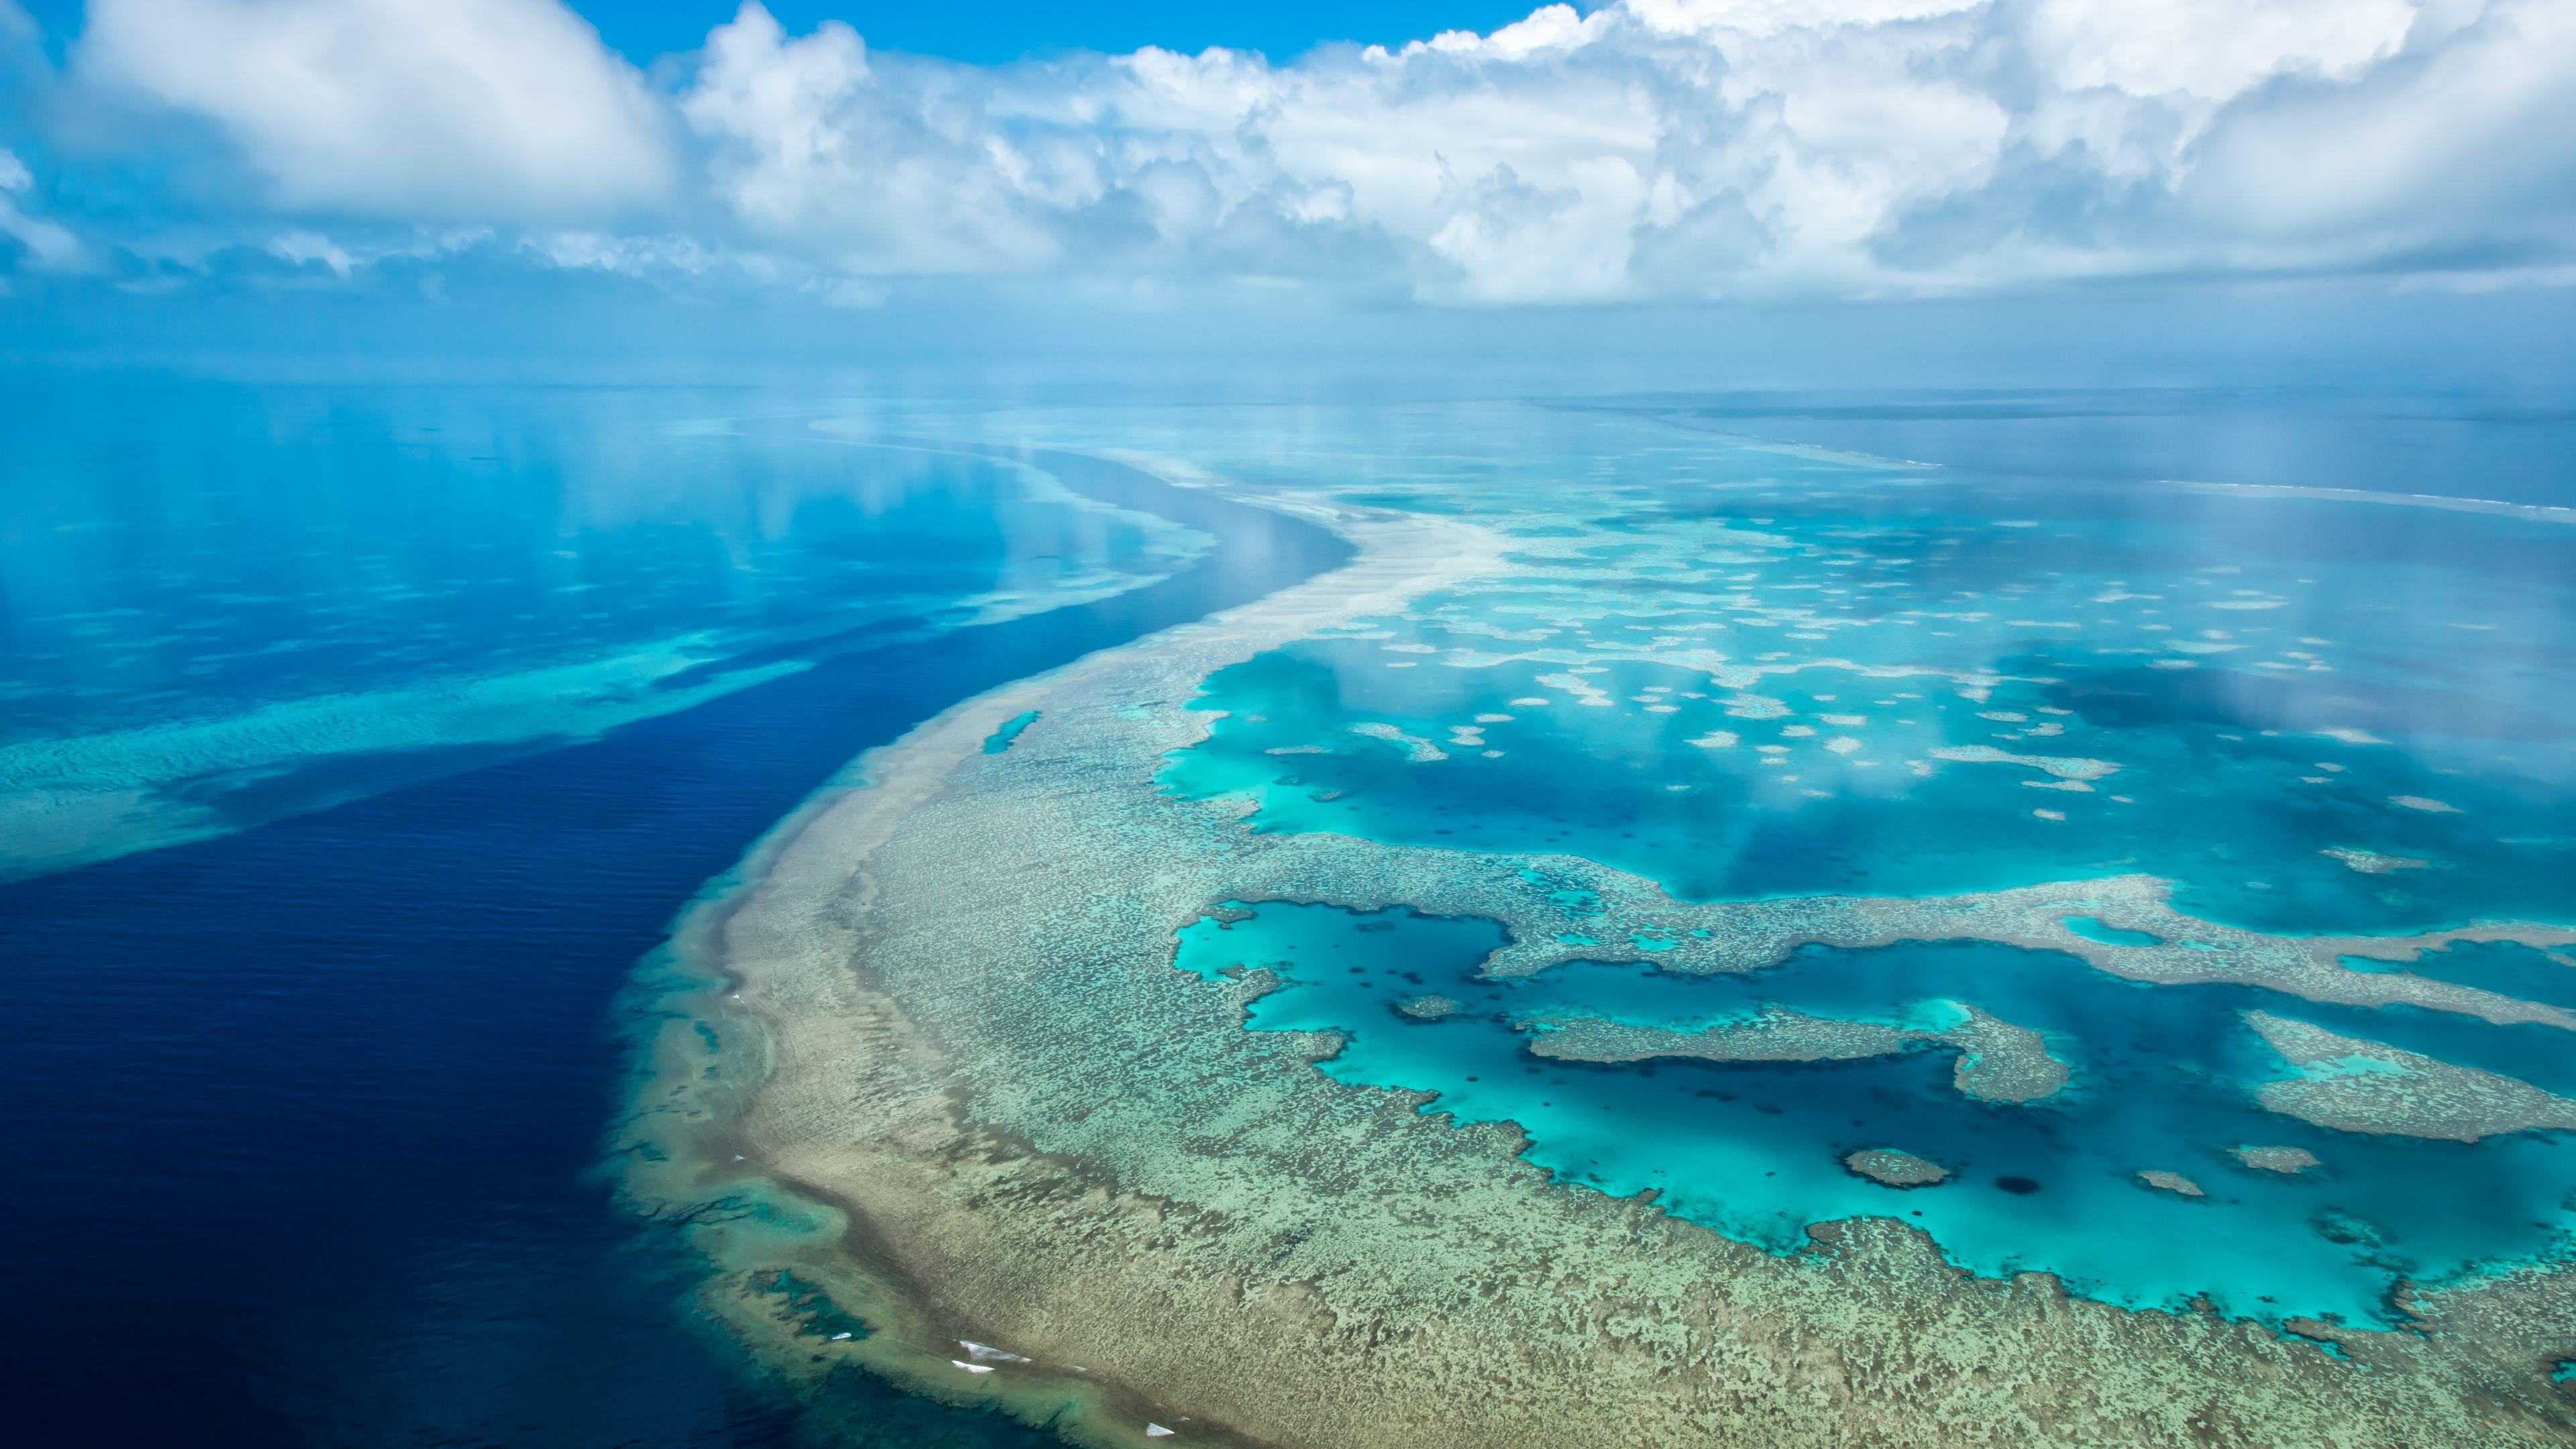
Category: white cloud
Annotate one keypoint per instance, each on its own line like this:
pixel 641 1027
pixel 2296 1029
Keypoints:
pixel 2211 50
pixel 49 245
pixel 1739 148
pixel 1764 19
pixel 302 248
pixel 2479 132
pixel 501 110
pixel 809 144
pixel 1711 147
pixel 1548 28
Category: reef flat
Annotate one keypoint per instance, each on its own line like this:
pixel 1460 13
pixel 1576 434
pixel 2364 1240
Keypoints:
pixel 1562 909
pixel 2001 1062
pixel 2166 1180
pixel 2352 1085
pixel 1768 1036
pixel 2290 1160
pixel 1891 1167
pixel 1998 1061
pixel 931 1066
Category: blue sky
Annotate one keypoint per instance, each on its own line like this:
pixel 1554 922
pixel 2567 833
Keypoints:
pixel 1007 31
pixel 988 32
pixel 1663 156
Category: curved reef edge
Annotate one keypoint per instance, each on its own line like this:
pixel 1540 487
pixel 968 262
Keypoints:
pixel 926 1069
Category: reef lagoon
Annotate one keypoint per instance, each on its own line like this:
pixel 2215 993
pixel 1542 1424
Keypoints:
pixel 1455 923
pixel 1694 935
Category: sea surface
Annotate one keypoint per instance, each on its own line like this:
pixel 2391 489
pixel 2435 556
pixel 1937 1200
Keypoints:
pixel 307 1145
pixel 1750 667
pixel 356 743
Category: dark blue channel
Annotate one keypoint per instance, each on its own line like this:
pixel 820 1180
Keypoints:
pixel 303 1134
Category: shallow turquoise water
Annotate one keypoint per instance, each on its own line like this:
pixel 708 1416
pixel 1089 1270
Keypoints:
pixel 2161 1079
pixel 1010 730
pixel 2496 966
pixel 1732 675
pixel 458 693
pixel 1748 670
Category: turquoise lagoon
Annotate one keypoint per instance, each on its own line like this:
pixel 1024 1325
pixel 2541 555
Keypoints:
pixel 1730 666
pixel 1747 669
pixel 2159 1078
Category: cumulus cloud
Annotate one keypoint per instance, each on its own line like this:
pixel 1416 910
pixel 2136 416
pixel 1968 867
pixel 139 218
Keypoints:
pixel 808 143
pixel 2472 140
pixel 465 109
pixel 1700 147
pixel 1650 148
pixel 2212 50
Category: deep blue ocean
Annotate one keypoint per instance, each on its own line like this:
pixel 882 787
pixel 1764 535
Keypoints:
pixel 355 743
pixel 307 1143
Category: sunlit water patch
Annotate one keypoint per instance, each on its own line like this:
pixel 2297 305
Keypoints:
pixel 2137 1180
pixel 223 606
